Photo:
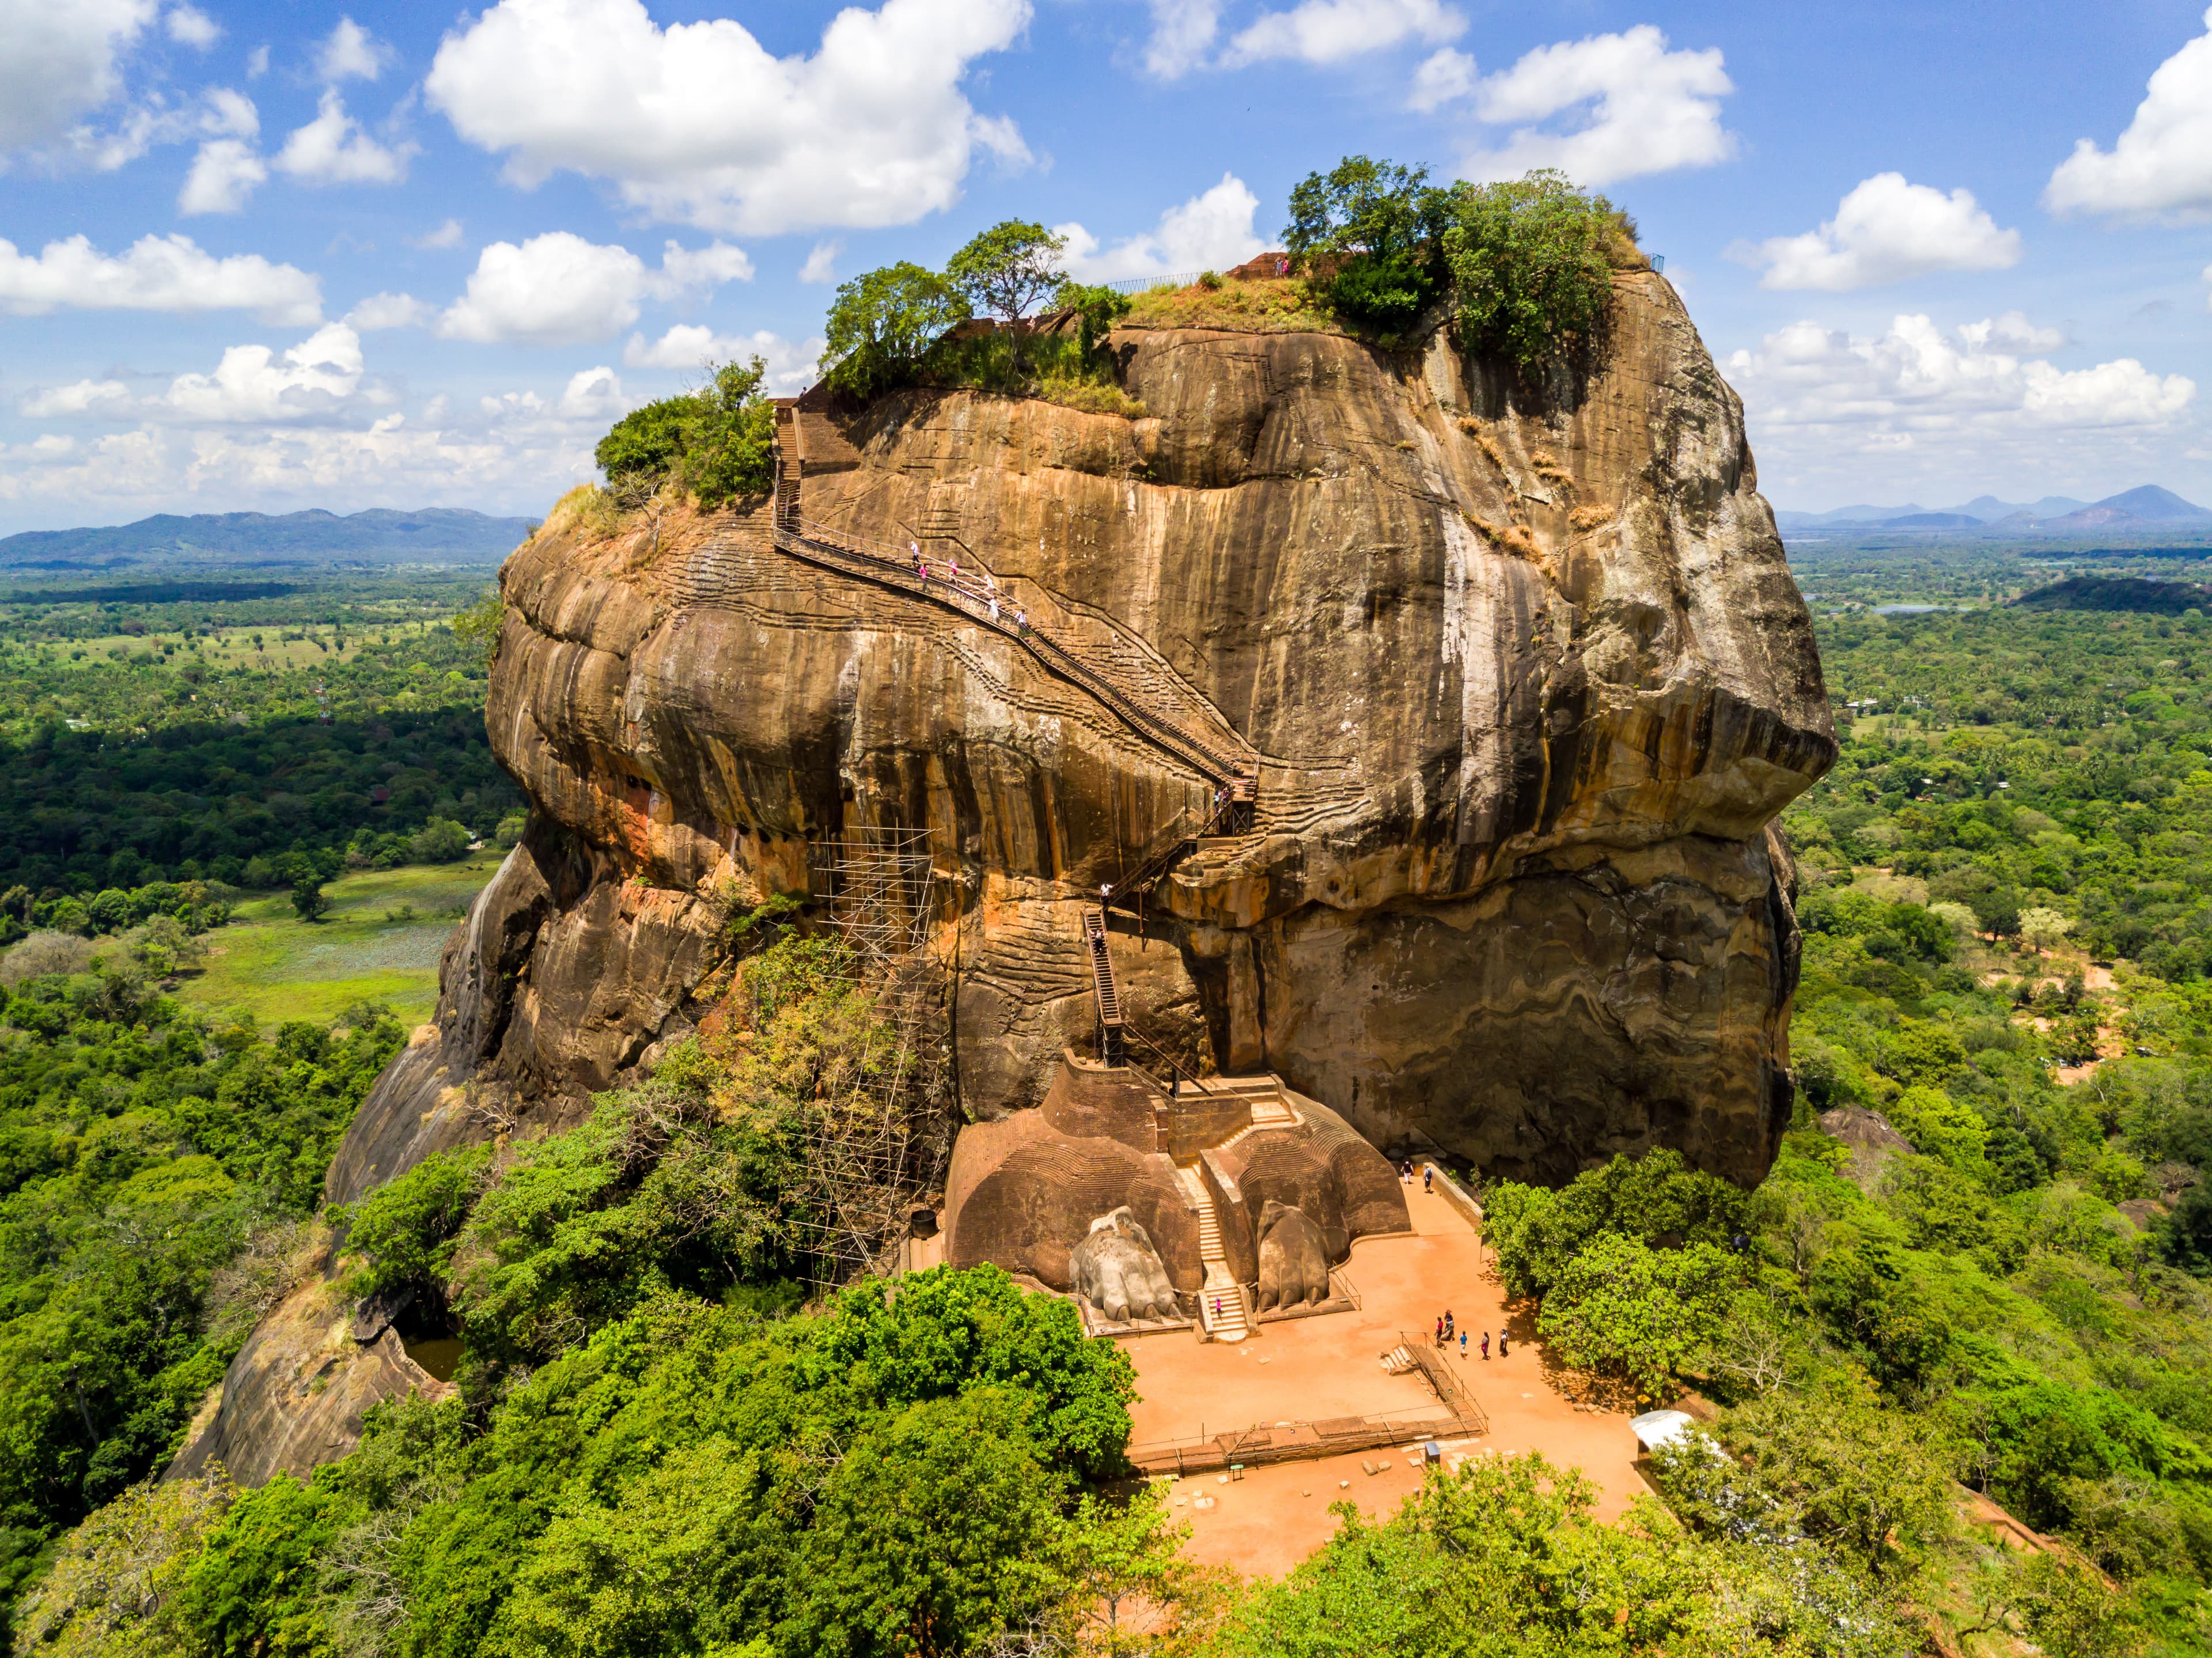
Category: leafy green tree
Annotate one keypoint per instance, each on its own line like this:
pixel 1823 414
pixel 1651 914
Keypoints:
pixel 1379 226
pixel 1532 261
pixel 1008 271
pixel 309 902
pixel 440 840
pixel 716 442
pixel 1535 1232
pixel 882 323
pixel 1639 1315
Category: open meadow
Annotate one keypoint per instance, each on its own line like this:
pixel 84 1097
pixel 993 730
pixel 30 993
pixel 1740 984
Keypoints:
pixel 378 943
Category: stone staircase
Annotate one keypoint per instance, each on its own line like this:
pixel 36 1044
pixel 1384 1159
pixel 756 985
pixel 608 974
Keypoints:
pixel 1233 1323
pixel 1263 1096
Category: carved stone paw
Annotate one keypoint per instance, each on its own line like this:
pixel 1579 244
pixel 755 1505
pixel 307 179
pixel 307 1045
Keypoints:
pixel 1293 1258
pixel 1117 1270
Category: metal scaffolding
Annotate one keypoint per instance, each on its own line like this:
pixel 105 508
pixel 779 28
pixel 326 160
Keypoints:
pixel 878 1136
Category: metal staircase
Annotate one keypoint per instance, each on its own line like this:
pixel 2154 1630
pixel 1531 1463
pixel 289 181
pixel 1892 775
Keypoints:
pixel 981 604
pixel 1112 1039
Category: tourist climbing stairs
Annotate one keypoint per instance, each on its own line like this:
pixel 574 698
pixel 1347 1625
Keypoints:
pixel 1113 1047
pixel 1221 1302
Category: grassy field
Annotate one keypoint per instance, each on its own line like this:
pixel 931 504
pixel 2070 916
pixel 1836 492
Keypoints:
pixel 368 948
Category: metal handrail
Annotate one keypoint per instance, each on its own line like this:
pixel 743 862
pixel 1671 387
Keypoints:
pixel 809 539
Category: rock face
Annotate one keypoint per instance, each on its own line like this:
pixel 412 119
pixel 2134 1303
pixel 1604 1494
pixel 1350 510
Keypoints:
pixel 1520 670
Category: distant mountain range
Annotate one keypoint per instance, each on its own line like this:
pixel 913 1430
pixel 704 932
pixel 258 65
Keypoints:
pixel 2148 508
pixel 436 535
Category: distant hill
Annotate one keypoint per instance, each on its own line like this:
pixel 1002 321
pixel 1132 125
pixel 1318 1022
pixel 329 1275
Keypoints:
pixel 435 535
pixel 2097 592
pixel 2148 507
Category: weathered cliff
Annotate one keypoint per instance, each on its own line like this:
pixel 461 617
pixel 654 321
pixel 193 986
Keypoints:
pixel 1520 670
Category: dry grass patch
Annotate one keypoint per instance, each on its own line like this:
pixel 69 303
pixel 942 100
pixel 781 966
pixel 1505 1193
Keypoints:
pixel 1263 305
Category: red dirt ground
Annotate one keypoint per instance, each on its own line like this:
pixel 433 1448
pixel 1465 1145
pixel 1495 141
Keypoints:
pixel 1309 1370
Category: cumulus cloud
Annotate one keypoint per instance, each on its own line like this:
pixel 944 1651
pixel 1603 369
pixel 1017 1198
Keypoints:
pixel 76 401
pixel 792 366
pixel 698 122
pixel 1328 31
pixel 332 149
pixel 224 176
pixel 2161 166
pixel 316 380
pixel 591 394
pixel 61 64
pixel 1914 384
pixel 1209 232
pixel 160 273
pixel 1631 105
pixel 821 264
pixel 517 467
pixel 1183 32
pixel 447 235
pixel 351 54
pixel 189 26
pixel 559 289
pixel 1886 230
pixel 1443 77
pixel 387 311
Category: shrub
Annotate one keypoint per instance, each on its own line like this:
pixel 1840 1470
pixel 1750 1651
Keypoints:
pixel 440 840
pixel 715 443
pixel 1533 262
pixel 406 1227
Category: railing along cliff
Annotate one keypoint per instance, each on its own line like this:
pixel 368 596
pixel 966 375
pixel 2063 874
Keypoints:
pixel 831 549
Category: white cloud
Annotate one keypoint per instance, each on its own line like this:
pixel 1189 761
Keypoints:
pixel 1184 32
pixel 257 63
pixel 224 175
pixel 698 122
pixel 189 26
pixel 593 394
pixel 84 398
pixel 1328 31
pixel 332 149
pixel 447 235
pixel 792 366
pixel 1814 389
pixel 559 289
pixel 388 311
pixel 160 273
pixel 316 380
pixel 1209 232
pixel 2161 166
pixel 821 264
pixel 61 63
pixel 351 54
pixel 1886 230
pixel 519 467
pixel 1444 76
pixel 1641 109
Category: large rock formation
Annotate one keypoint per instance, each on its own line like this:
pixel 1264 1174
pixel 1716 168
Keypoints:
pixel 1522 672
pixel 1520 669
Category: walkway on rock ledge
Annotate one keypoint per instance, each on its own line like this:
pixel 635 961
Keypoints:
pixel 978 597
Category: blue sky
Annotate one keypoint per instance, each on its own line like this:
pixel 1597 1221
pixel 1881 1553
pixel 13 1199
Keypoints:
pixel 265 256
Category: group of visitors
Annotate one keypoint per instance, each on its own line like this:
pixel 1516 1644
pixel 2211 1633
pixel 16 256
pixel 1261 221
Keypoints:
pixel 986 590
pixel 1447 1329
